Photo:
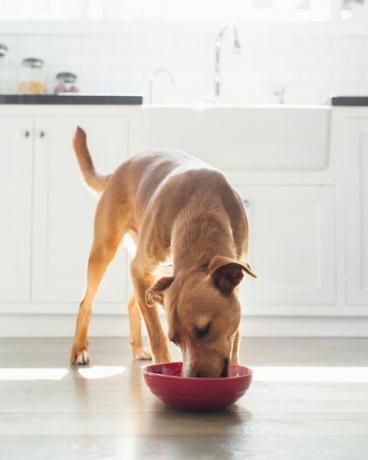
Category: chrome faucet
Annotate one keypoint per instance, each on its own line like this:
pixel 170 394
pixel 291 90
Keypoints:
pixel 279 93
pixel 218 48
pixel 161 70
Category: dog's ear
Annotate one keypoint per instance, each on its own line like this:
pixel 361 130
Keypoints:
pixel 227 273
pixel 155 293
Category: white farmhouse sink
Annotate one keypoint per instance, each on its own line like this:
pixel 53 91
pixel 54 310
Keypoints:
pixel 238 138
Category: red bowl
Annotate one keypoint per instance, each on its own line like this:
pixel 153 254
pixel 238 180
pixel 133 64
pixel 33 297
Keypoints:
pixel 167 383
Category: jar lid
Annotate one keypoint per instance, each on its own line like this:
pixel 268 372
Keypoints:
pixel 3 50
pixel 67 77
pixel 33 63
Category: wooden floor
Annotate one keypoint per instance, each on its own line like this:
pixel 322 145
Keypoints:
pixel 49 411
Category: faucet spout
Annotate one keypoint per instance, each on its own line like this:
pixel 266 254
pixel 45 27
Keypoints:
pixel 218 50
pixel 156 73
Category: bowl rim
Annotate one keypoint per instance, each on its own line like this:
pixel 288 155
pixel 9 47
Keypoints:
pixel 147 372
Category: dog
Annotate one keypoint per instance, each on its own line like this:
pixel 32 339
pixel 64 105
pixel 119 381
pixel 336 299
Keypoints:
pixel 173 206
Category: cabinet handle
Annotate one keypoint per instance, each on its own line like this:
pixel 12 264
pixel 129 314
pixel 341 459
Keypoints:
pixel 246 203
pixel 41 134
pixel 26 133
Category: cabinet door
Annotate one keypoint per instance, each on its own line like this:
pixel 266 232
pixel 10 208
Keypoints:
pixel 15 207
pixel 354 174
pixel 64 208
pixel 292 245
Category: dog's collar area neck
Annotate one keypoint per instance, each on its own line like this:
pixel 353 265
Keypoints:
pixel 189 269
pixel 201 267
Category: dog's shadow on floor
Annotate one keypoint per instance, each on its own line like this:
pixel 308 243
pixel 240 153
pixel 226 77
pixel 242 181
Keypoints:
pixel 183 432
pixel 213 421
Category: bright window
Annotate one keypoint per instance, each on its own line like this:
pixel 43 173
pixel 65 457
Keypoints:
pixel 193 10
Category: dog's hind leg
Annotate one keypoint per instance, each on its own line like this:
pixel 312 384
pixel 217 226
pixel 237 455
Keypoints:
pixel 110 226
pixel 139 352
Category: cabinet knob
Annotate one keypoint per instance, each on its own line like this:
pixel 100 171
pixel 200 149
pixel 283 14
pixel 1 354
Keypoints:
pixel 26 133
pixel 41 134
pixel 246 203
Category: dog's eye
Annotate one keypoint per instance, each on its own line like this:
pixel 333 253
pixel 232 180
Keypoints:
pixel 202 332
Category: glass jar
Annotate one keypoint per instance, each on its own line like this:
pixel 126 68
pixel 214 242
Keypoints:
pixel 4 71
pixel 66 83
pixel 353 9
pixel 32 77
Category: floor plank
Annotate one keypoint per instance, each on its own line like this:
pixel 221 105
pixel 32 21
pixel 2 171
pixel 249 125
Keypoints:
pixel 165 447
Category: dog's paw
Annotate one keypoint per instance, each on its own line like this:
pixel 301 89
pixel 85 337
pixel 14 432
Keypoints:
pixel 142 355
pixel 79 358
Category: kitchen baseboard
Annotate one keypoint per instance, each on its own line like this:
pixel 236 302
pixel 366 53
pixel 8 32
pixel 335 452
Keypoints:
pixel 252 326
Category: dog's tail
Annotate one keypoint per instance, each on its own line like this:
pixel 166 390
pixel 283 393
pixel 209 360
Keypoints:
pixel 94 181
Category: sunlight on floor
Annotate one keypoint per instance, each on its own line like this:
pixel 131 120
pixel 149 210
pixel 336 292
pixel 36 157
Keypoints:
pixel 311 374
pixel 50 373
pixel 100 372
pixel 32 373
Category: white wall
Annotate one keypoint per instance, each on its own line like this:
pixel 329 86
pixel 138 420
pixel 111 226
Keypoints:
pixel 310 60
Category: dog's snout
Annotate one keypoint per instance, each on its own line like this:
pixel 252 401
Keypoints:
pixel 206 373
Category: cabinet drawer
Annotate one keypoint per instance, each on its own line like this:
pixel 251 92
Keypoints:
pixel 291 245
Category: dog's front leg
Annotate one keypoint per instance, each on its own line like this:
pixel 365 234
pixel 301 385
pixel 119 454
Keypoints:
pixel 158 341
pixel 235 349
pixel 139 352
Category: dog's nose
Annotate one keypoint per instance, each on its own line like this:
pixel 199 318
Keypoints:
pixel 225 369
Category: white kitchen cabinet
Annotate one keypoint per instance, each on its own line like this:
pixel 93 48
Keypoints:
pixel 292 245
pixel 15 207
pixel 352 140
pixel 64 208
pixel 312 265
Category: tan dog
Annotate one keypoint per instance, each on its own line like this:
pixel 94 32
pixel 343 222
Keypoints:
pixel 172 205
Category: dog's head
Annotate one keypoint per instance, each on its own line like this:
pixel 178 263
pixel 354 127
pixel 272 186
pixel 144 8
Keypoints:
pixel 203 313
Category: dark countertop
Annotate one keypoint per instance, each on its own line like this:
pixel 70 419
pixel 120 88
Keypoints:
pixel 77 99
pixel 352 101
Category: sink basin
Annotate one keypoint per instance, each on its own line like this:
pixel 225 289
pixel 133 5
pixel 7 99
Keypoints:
pixel 239 138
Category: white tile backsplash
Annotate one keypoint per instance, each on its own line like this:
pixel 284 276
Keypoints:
pixel 356 59
pixel 309 66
